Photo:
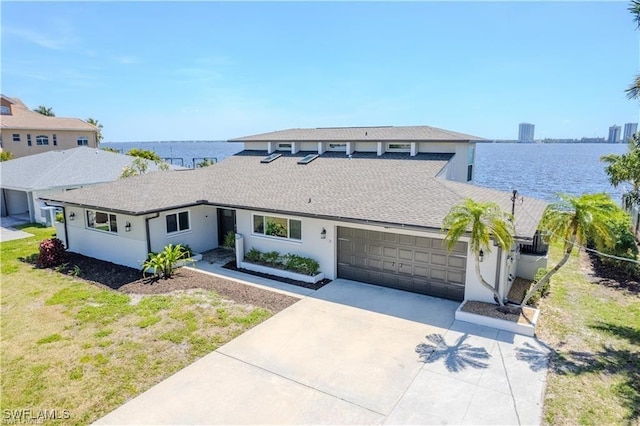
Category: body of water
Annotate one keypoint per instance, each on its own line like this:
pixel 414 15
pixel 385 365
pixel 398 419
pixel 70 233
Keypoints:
pixel 535 170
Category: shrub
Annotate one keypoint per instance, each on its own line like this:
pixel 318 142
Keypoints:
pixel 52 253
pixel 271 257
pixel 230 240
pixel 624 245
pixel 165 262
pixel 254 255
pixel 186 250
pixel 542 291
pixel 59 217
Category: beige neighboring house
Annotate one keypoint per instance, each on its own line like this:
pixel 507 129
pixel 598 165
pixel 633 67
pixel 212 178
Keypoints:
pixel 24 132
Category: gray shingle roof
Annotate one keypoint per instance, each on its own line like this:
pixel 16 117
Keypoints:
pixel 373 134
pixel 384 190
pixel 52 169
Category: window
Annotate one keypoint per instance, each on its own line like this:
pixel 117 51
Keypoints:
pixel 42 140
pixel 178 222
pixel 5 110
pixel 28 139
pixel 399 147
pixel 16 137
pixel 469 172
pixel 284 147
pixel 55 139
pixel 337 147
pixel 102 221
pixel 280 227
pixel 82 141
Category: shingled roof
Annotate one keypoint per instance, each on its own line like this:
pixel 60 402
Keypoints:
pixel 358 134
pixel 386 190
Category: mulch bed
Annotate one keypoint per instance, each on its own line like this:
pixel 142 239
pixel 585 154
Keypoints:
pixel 232 265
pixel 611 277
pixel 514 314
pixel 131 281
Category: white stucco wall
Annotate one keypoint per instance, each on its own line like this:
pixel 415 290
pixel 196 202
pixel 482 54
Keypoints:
pixel 202 236
pixel 17 201
pixel 123 248
pixel 528 265
pixel 474 290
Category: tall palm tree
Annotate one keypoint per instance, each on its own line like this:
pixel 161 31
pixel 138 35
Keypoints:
pixel 626 168
pixel 95 123
pixel 483 222
pixel 575 220
pixel 633 92
pixel 48 111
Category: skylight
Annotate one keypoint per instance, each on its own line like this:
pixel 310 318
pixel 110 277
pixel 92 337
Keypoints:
pixel 270 158
pixel 308 158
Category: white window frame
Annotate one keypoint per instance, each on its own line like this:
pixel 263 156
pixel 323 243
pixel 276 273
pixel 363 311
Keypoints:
pixel 83 141
pixel 16 137
pixel 5 110
pixel 42 140
pixel 178 229
pixel 275 237
pixel 406 147
pixel 111 219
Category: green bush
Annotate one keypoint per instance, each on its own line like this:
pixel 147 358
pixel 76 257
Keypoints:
pixel 186 250
pixel 542 291
pixel 624 245
pixel 230 240
pixel 254 255
pixel 288 262
pixel 165 262
pixel 60 217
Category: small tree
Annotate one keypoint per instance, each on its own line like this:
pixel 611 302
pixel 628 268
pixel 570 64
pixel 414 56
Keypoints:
pixel 575 220
pixel 483 222
pixel 165 262
pixel 95 123
pixel 144 153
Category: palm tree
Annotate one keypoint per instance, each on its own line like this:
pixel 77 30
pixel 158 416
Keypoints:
pixel 45 111
pixel 483 222
pixel 633 92
pixel 95 123
pixel 626 168
pixel 575 220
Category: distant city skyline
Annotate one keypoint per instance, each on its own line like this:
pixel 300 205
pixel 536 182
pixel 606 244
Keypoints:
pixel 614 134
pixel 629 130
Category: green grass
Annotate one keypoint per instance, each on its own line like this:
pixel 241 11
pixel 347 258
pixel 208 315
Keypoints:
pixel 71 345
pixel 594 377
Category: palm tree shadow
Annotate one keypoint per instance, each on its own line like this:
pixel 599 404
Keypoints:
pixel 537 359
pixel 456 357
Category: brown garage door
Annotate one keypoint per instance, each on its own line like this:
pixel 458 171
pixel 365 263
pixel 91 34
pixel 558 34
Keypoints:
pixel 406 262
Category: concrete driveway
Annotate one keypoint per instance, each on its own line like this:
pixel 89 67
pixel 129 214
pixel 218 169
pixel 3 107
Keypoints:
pixel 7 230
pixel 353 353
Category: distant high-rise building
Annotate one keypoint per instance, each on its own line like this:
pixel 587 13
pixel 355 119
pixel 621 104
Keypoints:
pixel 629 130
pixel 525 132
pixel 614 134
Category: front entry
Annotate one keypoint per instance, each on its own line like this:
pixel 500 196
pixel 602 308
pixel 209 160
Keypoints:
pixel 226 224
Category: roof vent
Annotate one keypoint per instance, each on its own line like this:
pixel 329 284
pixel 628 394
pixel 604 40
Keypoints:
pixel 270 158
pixel 308 158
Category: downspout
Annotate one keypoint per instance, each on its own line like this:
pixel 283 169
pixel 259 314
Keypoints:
pixel 498 267
pixel 64 221
pixel 146 224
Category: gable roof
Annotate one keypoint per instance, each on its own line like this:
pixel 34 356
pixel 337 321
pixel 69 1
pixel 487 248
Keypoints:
pixel 389 190
pixel 23 118
pixel 371 134
pixel 70 167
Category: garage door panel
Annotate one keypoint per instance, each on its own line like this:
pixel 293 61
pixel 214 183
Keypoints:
pixel 406 262
pixel 405 254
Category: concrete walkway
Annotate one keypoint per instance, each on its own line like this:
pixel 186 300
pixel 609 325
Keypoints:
pixel 353 353
pixel 7 230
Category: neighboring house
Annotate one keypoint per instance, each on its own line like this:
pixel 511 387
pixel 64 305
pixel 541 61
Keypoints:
pixel 366 203
pixel 24 132
pixel 24 180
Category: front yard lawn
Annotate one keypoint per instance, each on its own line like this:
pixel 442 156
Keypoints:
pixel 593 327
pixel 83 350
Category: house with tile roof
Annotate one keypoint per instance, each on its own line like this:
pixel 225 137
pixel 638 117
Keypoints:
pixel 366 203
pixel 24 132
pixel 24 180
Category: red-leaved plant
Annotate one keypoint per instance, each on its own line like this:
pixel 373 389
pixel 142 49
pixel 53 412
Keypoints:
pixel 52 253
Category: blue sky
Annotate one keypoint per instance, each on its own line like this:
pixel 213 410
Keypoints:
pixel 217 70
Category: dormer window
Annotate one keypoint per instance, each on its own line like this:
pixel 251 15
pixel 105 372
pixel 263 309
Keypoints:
pixel 5 110
pixel 399 147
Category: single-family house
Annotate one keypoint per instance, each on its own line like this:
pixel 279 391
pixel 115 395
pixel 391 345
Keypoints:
pixel 24 180
pixel 367 203
pixel 24 132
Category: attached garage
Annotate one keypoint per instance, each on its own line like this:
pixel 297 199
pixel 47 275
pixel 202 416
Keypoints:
pixel 14 202
pixel 405 262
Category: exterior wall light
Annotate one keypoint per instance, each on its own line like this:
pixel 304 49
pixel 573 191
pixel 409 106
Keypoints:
pixel 481 255
pixel 323 234
pixel 127 227
pixel 72 215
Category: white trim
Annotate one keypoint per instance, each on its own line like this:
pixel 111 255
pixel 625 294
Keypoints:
pixel 275 237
